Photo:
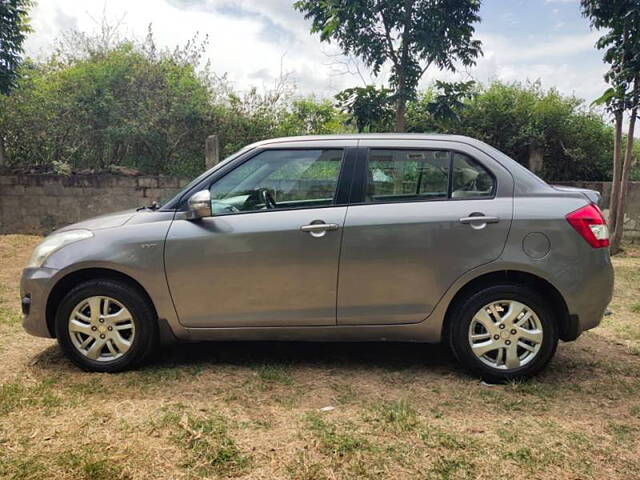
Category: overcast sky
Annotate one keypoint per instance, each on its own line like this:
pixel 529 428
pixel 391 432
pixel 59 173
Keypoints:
pixel 252 40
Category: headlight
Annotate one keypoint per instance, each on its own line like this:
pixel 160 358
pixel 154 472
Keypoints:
pixel 55 242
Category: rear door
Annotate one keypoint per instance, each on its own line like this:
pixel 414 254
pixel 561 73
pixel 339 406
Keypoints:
pixel 424 213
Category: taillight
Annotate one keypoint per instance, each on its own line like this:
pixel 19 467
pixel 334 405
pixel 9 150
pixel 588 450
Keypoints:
pixel 591 225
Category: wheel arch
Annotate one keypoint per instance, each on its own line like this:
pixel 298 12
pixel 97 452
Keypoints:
pixel 72 279
pixel 567 324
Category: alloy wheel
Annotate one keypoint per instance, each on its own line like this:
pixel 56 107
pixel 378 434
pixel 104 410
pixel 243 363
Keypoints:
pixel 505 334
pixel 101 328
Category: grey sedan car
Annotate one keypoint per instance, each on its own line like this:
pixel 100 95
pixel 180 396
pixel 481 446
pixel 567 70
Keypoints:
pixel 403 238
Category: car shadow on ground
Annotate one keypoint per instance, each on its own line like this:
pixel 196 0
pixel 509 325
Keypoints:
pixel 309 354
pixel 392 356
pixel 571 363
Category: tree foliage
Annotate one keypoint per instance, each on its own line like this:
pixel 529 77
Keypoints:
pixel 411 35
pixel 104 100
pixel 101 100
pixel 118 108
pixel 14 26
pixel 369 108
pixel 575 141
pixel 448 103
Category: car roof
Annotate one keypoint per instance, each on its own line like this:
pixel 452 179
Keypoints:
pixel 369 136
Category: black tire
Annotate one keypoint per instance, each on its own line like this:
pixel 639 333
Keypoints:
pixel 144 341
pixel 463 313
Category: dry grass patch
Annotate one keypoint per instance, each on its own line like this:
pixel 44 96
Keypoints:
pixel 624 324
pixel 254 410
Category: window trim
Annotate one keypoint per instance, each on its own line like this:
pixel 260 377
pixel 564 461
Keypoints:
pixel 362 177
pixel 341 194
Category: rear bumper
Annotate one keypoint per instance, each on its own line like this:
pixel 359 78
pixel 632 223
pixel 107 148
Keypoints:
pixel 35 286
pixel 594 289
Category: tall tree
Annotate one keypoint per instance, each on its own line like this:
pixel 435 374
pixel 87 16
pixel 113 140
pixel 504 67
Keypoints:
pixel 620 21
pixel 448 102
pixel 14 26
pixel 369 108
pixel 411 35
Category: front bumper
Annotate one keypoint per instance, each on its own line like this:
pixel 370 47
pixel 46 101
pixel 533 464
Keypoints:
pixel 35 287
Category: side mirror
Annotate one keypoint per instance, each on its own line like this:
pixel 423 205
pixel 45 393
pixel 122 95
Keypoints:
pixel 200 205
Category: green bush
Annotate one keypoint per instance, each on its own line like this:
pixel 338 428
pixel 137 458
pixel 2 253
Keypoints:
pixel 93 105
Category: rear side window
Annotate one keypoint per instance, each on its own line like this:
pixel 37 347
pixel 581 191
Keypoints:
pixel 417 175
pixel 407 175
pixel 470 180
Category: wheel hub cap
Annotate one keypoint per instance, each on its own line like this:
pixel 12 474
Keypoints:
pixel 101 328
pixel 505 334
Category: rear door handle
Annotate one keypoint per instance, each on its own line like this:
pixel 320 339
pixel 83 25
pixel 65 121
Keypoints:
pixel 479 219
pixel 319 227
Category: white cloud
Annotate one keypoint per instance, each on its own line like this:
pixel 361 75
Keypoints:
pixel 240 43
pixel 557 46
pixel 252 41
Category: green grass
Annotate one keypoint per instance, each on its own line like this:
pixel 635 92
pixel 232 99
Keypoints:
pixel 209 447
pixel 16 395
pixel 451 467
pixel 274 374
pixel 303 468
pixel 85 463
pixel 8 316
pixel 344 393
pixel 397 415
pixel 336 439
pixel 22 468
pixel 623 433
pixel 540 445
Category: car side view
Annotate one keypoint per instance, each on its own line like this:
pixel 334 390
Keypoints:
pixel 377 237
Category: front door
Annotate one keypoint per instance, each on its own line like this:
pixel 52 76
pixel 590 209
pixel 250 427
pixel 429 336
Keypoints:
pixel 269 255
pixel 414 233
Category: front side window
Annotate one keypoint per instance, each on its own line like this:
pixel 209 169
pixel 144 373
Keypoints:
pixel 407 175
pixel 279 179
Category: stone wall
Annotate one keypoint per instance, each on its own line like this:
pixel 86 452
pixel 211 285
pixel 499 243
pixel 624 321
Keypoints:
pixel 42 203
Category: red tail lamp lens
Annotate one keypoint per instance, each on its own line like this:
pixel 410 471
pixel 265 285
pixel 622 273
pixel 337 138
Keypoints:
pixel 591 225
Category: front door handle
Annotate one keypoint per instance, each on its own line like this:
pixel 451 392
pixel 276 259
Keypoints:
pixel 479 219
pixel 318 228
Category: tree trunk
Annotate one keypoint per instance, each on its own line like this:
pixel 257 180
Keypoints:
pixel 616 239
pixel 401 102
pixel 3 156
pixel 401 110
pixel 617 145
pixel 617 171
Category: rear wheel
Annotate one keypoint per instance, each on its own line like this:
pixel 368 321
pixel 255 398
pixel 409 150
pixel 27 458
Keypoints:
pixel 503 332
pixel 106 326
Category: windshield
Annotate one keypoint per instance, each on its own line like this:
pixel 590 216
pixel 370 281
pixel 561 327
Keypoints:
pixel 173 201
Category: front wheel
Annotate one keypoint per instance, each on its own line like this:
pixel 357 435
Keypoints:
pixel 503 333
pixel 106 326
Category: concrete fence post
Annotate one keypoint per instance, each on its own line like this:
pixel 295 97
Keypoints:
pixel 536 158
pixel 211 151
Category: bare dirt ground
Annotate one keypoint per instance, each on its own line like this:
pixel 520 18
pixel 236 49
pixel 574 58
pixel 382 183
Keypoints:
pixel 253 410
